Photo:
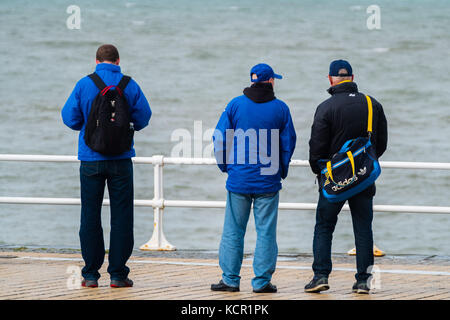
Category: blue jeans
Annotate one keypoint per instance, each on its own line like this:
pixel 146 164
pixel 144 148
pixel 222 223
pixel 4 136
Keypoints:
pixel 326 219
pixel 231 251
pixel 118 174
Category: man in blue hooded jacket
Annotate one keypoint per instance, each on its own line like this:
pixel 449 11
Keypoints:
pixel 253 142
pixel 96 169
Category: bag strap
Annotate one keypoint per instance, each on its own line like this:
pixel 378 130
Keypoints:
pixel 352 162
pixel 370 117
pixel 123 82
pixel 346 145
pixel 102 86
pixel 97 81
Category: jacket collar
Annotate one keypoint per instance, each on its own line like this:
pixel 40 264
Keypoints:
pixel 260 92
pixel 107 66
pixel 343 87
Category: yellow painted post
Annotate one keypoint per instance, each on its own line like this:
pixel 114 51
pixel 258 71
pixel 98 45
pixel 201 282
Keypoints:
pixel 376 252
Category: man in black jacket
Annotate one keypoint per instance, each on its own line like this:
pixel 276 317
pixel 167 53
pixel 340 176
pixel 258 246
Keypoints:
pixel 340 118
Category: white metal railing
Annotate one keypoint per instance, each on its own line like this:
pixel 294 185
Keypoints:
pixel 158 240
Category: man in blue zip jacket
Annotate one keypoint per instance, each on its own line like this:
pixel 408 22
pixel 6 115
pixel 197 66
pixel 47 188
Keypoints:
pixel 253 142
pixel 96 169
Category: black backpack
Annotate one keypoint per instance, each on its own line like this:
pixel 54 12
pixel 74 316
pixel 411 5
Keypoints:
pixel 109 129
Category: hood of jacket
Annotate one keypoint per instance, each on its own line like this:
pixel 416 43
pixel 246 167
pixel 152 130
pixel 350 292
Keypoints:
pixel 260 92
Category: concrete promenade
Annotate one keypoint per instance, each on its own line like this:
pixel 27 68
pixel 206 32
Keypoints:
pixel 32 275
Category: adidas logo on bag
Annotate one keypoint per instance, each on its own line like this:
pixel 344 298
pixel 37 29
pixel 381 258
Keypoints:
pixel 362 171
pixel 341 185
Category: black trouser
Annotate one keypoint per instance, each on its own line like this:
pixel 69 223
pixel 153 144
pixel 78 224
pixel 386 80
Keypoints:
pixel 326 219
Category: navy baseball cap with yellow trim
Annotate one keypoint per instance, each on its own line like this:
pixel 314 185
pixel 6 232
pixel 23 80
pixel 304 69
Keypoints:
pixel 337 65
pixel 263 72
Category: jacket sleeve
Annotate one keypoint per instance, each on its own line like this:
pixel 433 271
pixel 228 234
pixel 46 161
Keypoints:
pixel 319 143
pixel 71 113
pixel 220 138
pixel 382 132
pixel 140 109
pixel 288 139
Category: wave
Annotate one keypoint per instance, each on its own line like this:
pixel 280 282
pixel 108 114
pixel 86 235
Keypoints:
pixel 67 43
pixel 381 50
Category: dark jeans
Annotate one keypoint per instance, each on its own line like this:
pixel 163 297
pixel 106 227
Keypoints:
pixel 326 219
pixel 118 174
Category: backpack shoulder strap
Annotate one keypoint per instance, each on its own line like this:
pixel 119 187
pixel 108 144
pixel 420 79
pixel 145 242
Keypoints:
pixel 123 82
pixel 97 81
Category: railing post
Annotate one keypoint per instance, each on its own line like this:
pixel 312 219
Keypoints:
pixel 158 241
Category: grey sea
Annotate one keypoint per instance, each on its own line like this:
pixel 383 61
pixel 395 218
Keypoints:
pixel 192 57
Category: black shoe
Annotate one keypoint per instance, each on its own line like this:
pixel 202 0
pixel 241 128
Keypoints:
pixel 268 288
pixel 361 287
pixel 317 284
pixel 89 283
pixel 223 287
pixel 121 283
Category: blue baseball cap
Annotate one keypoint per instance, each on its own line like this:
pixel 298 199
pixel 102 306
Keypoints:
pixel 337 65
pixel 263 72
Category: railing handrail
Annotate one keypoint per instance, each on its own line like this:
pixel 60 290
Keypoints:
pixel 218 204
pixel 212 161
pixel 158 203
